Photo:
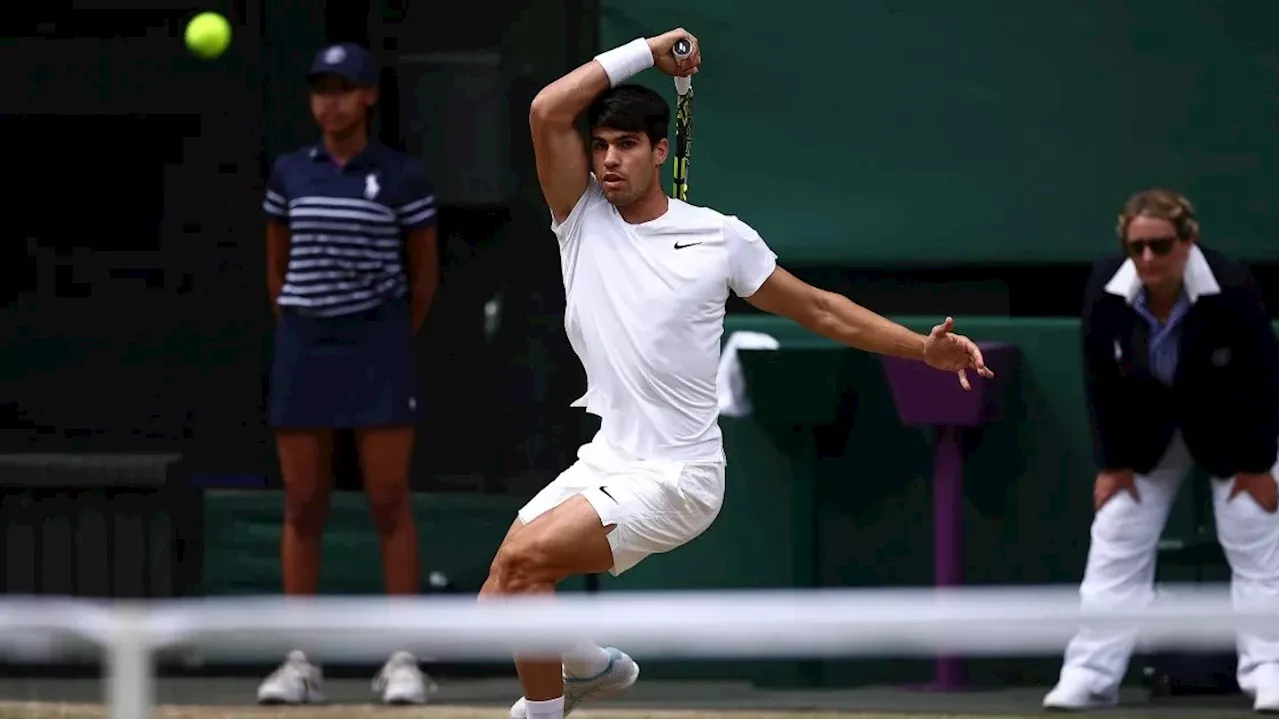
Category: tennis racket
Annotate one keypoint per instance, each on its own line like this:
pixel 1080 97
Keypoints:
pixel 684 126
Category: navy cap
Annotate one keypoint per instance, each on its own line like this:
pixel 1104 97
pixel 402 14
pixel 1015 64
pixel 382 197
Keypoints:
pixel 348 61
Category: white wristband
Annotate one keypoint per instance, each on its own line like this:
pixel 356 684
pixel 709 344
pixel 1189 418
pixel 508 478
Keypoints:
pixel 624 61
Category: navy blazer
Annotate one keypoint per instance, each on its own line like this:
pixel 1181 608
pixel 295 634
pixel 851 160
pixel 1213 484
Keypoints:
pixel 1224 396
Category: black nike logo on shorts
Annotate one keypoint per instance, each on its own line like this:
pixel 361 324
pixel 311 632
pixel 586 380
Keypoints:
pixel 605 492
pixel 690 244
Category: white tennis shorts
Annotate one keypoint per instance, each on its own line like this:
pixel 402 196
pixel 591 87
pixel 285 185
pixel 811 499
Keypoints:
pixel 654 506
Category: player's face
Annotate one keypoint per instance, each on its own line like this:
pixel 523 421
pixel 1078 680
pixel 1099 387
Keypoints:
pixel 626 164
pixel 1157 252
pixel 338 106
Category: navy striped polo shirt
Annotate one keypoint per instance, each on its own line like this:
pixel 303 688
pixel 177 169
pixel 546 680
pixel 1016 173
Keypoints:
pixel 347 226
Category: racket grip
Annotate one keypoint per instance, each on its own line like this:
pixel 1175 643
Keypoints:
pixel 682 49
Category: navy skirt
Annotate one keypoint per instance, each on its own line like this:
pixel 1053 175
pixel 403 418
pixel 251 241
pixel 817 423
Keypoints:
pixel 345 372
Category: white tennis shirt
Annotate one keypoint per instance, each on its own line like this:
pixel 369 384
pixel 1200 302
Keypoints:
pixel 645 306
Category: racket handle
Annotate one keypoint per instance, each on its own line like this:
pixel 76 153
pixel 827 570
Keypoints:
pixel 682 49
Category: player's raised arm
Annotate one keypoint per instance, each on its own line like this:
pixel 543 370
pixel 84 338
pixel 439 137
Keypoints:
pixel 559 150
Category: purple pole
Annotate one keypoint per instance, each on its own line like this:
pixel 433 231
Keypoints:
pixel 948 534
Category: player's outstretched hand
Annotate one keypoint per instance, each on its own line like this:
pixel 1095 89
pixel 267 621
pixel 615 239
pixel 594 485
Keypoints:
pixel 954 353
pixel 664 60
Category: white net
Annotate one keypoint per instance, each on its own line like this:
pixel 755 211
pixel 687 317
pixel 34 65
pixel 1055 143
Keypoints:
pixel 1021 621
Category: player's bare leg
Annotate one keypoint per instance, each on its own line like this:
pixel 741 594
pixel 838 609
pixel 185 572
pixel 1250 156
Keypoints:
pixel 584 665
pixel 566 541
pixel 490 586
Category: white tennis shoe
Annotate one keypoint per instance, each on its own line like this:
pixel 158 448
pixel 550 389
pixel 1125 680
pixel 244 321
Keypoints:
pixel 295 682
pixel 616 678
pixel 402 683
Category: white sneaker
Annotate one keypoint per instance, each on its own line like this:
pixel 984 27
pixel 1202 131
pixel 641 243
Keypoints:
pixel 1267 699
pixel 1075 696
pixel 617 677
pixel 297 681
pixel 402 682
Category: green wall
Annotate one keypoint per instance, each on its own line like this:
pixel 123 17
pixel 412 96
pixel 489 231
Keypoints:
pixel 939 132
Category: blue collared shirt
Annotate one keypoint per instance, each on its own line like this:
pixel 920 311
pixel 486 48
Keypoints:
pixel 347 226
pixel 1162 348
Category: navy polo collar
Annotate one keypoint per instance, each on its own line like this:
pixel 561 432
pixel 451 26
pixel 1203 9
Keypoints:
pixel 367 158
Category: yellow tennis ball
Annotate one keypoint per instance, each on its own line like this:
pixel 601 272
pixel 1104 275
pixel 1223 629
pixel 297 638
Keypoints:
pixel 208 35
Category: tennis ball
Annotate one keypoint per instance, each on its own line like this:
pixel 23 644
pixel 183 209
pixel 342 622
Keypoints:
pixel 208 35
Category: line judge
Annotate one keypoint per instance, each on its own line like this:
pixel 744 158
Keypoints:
pixel 1180 368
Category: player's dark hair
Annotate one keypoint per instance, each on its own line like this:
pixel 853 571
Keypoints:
pixel 631 108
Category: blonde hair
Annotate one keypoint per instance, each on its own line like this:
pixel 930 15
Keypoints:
pixel 1160 204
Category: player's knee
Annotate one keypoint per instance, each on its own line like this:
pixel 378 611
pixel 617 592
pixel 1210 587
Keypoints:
pixel 306 504
pixel 389 503
pixel 521 567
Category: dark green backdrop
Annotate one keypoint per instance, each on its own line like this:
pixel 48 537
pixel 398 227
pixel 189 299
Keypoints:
pixel 936 132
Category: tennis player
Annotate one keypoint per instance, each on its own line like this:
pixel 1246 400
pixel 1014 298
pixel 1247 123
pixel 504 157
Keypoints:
pixel 646 280
pixel 352 270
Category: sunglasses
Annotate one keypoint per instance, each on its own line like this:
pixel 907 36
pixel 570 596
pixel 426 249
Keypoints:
pixel 1158 246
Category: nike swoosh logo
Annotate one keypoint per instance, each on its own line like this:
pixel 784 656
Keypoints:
pixel 691 244
pixel 606 493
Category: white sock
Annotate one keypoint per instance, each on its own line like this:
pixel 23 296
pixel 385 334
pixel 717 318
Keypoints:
pixel 549 709
pixel 585 661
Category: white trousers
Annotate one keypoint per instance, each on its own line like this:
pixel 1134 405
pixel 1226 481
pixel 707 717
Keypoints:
pixel 1122 563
